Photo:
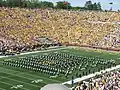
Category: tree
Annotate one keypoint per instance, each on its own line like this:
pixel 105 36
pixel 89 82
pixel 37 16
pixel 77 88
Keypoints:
pixel 24 5
pixel 89 5
pixel 10 3
pixel 1 2
pixel 18 3
pixel 95 7
pixel 14 3
pixel 63 5
pixel 99 6
pixel 45 4
pixel 48 4
pixel 75 8
pixel 4 3
pixel 29 4
pixel 34 3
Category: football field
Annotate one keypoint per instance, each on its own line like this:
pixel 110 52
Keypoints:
pixel 34 70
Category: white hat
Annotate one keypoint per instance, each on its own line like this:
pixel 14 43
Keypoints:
pixel 55 87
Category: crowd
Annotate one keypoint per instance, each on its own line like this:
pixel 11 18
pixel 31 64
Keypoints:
pixel 107 81
pixel 22 27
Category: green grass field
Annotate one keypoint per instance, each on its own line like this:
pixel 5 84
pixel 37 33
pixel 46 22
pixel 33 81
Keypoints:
pixel 12 76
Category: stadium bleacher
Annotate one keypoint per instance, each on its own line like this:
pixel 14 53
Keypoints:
pixel 107 81
pixel 91 28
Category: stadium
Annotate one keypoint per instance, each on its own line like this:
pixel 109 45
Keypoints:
pixel 58 47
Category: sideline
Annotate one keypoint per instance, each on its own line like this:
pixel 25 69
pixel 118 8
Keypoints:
pixel 49 49
pixel 92 75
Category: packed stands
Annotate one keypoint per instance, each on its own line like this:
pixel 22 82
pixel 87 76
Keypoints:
pixel 22 28
pixel 107 81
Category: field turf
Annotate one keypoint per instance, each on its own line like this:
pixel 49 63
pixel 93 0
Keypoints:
pixel 12 76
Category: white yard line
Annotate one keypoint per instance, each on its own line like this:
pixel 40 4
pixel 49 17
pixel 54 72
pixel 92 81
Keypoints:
pixel 2 89
pixel 92 75
pixel 26 74
pixel 12 85
pixel 43 51
pixel 20 81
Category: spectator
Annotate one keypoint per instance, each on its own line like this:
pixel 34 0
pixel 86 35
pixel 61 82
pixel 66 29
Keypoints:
pixel 87 28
